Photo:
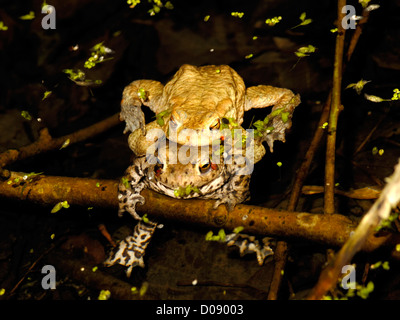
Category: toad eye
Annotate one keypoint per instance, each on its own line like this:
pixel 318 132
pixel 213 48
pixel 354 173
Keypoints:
pixel 204 167
pixel 225 121
pixel 215 125
pixel 158 169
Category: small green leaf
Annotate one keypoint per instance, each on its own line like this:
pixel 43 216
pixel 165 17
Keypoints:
pixel 133 3
pixel 3 27
pixel 209 236
pixel 29 16
pixel 143 288
pixel 145 219
pixel 142 94
pixel 238 229
pixel 25 114
pixel 161 115
pixel 324 125
pixel 237 14
pixel 300 54
pixel 385 265
pixel 272 21
pixel 275 112
pixel 104 295
pixel 168 5
pixel 125 182
pixel 303 20
pixel 46 94
pixel 65 144
pixel 396 94
pixel 59 206
pixel 364 292
pixel 305 51
pixel 195 189
pixel 364 3
pixel 221 234
pixel 285 116
pixel 269 129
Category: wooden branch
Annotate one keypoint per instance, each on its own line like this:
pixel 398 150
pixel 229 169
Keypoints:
pixel 329 196
pixel 332 230
pixel 381 210
pixel 47 143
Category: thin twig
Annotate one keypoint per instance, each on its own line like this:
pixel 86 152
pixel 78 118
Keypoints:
pixel 380 210
pixel 329 195
pixel 305 166
pixel 366 139
pixel 30 269
pixel 47 143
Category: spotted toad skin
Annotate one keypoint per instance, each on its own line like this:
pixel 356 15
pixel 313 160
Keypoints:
pixel 223 182
pixel 226 183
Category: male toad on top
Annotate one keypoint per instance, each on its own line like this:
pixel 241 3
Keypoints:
pixel 198 98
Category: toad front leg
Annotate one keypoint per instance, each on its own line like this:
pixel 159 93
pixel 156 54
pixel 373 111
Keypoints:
pixel 284 102
pixel 136 94
pixel 130 187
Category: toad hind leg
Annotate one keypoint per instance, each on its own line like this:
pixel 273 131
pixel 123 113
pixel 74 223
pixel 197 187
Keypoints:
pixel 131 250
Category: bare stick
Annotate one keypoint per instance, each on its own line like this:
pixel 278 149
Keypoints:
pixel 381 210
pixel 47 143
pixel 329 196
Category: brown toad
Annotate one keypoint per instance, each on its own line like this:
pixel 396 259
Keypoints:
pixel 181 172
pixel 191 107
